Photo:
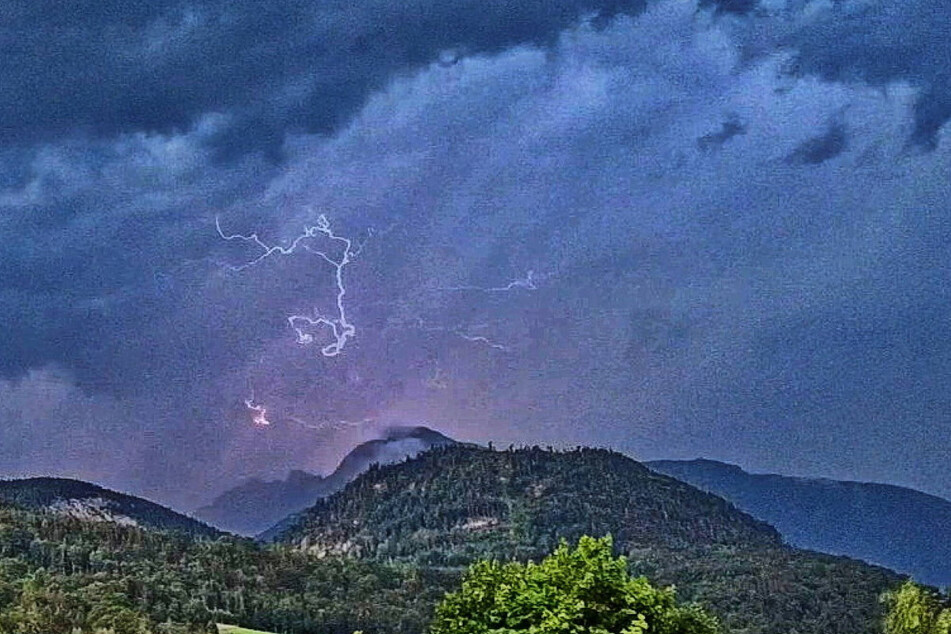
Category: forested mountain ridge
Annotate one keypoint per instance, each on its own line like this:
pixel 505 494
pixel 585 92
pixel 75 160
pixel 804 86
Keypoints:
pixel 532 496
pixel 256 506
pixel 453 505
pixel 84 500
pixel 61 574
pixel 892 526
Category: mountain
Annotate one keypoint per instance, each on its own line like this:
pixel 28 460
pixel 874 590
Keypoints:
pixel 62 572
pixel 899 528
pixel 532 497
pixel 455 504
pixel 255 506
pixel 85 501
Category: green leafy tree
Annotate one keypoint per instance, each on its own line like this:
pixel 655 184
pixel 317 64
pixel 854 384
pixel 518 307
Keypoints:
pixel 582 590
pixel 913 609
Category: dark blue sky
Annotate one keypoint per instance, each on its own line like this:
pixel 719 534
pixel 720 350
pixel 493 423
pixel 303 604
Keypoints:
pixel 675 228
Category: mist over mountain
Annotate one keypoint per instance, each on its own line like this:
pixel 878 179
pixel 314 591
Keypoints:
pixel 892 526
pixel 256 505
pixel 86 501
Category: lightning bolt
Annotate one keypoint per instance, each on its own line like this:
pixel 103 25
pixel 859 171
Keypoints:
pixel 438 380
pixel 341 330
pixel 462 333
pixel 480 339
pixel 331 425
pixel 259 417
pixel 527 283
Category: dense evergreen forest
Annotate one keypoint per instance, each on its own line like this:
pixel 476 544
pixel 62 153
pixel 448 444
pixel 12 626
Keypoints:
pixel 59 575
pixel 381 554
pixel 82 498
pixel 455 505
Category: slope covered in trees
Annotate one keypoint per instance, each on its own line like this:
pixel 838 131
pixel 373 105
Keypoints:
pixel 405 533
pixel 255 506
pixel 84 500
pixel 455 505
pixel 62 575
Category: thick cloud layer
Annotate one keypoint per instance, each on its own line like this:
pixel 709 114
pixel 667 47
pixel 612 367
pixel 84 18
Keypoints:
pixel 882 43
pixel 672 230
pixel 273 66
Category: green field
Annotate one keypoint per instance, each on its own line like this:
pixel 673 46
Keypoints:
pixel 234 629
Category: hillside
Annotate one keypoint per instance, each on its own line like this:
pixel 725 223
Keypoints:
pixel 900 528
pixel 86 501
pixel 426 508
pixel 61 574
pixel 255 506
pixel 455 504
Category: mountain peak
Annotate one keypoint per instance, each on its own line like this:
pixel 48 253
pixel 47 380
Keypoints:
pixel 705 465
pixel 421 432
pixel 255 506
pixel 486 494
pixel 459 503
pixel 396 444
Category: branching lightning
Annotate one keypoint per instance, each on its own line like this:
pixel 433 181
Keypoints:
pixel 259 417
pixel 462 333
pixel 469 332
pixel 331 425
pixel 341 329
pixel 338 251
pixel 526 283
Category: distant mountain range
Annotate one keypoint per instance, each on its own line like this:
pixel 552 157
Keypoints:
pixel 255 506
pixel 456 504
pixel 892 526
pixel 85 501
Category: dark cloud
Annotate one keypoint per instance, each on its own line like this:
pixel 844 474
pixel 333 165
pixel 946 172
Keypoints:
pixel 707 281
pixel 821 148
pixel 107 242
pixel 882 42
pixel 270 66
pixel 739 7
pixel 729 129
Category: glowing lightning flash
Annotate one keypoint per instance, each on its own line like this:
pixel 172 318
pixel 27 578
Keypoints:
pixel 341 329
pixel 260 413
pixel 458 331
pixel 526 283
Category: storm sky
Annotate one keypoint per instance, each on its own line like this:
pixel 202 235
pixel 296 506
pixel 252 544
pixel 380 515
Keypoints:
pixel 675 228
